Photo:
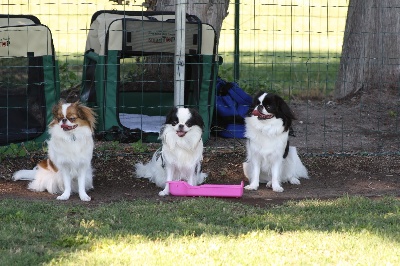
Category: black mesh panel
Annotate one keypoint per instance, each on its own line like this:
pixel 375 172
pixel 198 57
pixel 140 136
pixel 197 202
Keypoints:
pixel 22 100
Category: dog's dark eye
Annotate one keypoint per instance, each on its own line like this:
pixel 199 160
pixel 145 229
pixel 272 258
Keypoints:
pixel 174 123
pixel 72 119
pixel 268 107
pixel 188 124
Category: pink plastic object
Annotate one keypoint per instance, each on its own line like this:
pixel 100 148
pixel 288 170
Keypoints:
pixel 182 188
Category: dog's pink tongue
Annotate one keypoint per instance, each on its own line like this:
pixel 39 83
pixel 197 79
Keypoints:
pixel 256 112
pixel 67 128
pixel 181 133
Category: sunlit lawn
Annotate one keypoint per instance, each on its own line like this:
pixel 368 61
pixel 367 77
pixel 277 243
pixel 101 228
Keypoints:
pixel 201 231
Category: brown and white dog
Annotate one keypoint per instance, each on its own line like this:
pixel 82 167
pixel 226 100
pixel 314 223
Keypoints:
pixel 70 148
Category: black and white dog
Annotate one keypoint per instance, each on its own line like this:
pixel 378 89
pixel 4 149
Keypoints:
pixel 181 153
pixel 270 159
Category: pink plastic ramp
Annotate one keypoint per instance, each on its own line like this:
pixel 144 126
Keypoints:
pixel 182 188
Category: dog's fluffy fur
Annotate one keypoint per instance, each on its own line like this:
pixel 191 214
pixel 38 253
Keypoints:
pixel 181 153
pixel 70 149
pixel 270 159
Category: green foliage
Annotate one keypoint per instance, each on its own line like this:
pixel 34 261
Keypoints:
pixel 12 151
pixel 392 114
pixel 139 146
pixel 226 72
pixel 109 146
pixel 18 150
pixel 68 77
pixel 132 70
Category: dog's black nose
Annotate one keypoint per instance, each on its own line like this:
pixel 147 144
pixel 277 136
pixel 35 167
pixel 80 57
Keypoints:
pixel 64 120
pixel 181 126
pixel 260 108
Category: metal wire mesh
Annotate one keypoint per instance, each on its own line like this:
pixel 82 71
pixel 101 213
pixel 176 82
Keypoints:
pixel 289 47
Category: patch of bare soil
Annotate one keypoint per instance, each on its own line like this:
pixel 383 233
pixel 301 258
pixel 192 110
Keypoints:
pixel 349 148
pixel 330 177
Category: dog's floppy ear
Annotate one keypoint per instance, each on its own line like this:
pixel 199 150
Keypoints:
pixel 86 113
pixel 284 109
pixel 171 115
pixel 196 118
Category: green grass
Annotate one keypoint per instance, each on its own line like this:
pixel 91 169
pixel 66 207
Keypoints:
pixel 299 74
pixel 284 47
pixel 201 231
pixel 275 41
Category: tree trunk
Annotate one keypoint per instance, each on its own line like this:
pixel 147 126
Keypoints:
pixel 208 11
pixel 371 47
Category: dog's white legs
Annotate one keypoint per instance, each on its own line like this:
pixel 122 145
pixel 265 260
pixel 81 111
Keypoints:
pixel 164 192
pixel 170 173
pixel 252 172
pixel 276 171
pixel 192 180
pixel 82 187
pixel 67 187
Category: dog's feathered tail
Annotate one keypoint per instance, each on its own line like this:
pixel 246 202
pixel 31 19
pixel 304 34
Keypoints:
pixel 41 180
pixel 153 170
pixel 293 168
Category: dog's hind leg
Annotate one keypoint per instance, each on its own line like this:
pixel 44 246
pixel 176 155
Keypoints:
pixel 294 181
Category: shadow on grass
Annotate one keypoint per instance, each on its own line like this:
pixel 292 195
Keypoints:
pixel 36 233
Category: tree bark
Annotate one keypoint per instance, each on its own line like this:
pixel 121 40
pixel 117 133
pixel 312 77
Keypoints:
pixel 371 47
pixel 212 12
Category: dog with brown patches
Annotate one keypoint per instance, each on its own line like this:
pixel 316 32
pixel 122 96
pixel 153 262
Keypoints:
pixel 68 168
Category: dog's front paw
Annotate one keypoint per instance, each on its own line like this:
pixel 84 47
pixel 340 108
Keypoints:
pixel 84 197
pixel 277 188
pixel 251 187
pixel 63 196
pixel 163 193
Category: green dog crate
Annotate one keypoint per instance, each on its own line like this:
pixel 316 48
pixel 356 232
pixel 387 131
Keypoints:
pixel 29 85
pixel 128 69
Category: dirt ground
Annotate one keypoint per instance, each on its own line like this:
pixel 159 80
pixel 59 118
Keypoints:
pixel 349 148
pixel 330 177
